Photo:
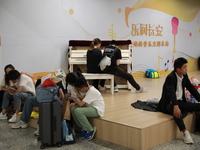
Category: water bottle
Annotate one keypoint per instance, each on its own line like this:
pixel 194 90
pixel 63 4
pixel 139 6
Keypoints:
pixel 192 100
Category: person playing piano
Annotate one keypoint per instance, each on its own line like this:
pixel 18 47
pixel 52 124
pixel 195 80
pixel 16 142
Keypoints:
pixel 115 52
pixel 94 56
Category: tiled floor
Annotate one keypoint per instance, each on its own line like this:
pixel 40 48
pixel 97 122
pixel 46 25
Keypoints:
pixel 23 139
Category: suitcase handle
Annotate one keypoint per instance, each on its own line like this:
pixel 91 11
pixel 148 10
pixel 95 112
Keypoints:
pixel 54 122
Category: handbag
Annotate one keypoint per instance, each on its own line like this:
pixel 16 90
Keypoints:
pixel 66 110
pixel 47 94
pixel 106 61
pixel 67 135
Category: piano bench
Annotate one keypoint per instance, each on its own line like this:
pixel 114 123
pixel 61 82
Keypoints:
pixel 93 76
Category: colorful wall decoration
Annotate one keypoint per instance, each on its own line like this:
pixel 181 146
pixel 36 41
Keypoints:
pixel 35 33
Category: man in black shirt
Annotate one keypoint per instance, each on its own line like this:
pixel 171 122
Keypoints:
pixel 113 51
pixel 173 100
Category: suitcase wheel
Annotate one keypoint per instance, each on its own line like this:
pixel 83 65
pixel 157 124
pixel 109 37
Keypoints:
pixel 38 138
pixel 59 144
pixel 42 147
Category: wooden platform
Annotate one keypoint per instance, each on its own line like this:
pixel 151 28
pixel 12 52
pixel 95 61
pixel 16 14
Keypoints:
pixel 134 128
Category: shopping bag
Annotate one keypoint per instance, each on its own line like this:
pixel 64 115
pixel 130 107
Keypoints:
pixel 47 94
pixel 66 110
pixel 53 78
pixel 57 75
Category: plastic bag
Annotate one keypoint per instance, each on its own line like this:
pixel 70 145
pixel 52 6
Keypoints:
pixel 106 61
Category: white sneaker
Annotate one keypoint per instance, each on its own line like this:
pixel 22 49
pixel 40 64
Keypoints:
pixel 3 116
pixel 13 119
pixel 187 138
pixel 19 124
pixel 36 133
pixel 102 88
pixel 142 90
pixel 116 89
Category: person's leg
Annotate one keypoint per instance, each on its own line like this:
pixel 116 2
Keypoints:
pixel 72 109
pixel 95 83
pixel 81 115
pixel 6 101
pixel 189 107
pixel 102 82
pixel 25 116
pixel 28 107
pixel 117 72
pixel 18 97
pixel 179 121
pixel 1 98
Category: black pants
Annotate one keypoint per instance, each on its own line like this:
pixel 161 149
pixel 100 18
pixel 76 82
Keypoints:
pixel 122 74
pixel 95 82
pixel 1 98
pixel 184 107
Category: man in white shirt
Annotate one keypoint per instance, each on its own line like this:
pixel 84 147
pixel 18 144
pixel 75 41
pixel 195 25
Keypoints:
pixel 173 100
pixel 24 89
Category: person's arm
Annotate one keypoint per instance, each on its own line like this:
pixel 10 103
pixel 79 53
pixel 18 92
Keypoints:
pixel 118 56
pixel 61 94
pixel 11 89
pixel 118 62
pixel 79 94
pixel 170 85
pixel 77 102
pixel 177 111
pixel 19 89
pixel 67 96
pixel 28 74
pixel 3 88
pixel 170 89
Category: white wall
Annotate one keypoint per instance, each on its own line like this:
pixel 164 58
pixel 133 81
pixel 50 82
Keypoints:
pixel 35 33
pixel 1 73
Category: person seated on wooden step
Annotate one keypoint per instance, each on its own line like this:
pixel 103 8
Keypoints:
pixel 73 92
pixel 6 83
pixel 173 100
pixel 23 88
pixel 92 105
pixel 28 108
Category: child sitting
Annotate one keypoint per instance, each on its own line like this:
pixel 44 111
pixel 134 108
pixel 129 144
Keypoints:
pixel 71 90
pixel 92 105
